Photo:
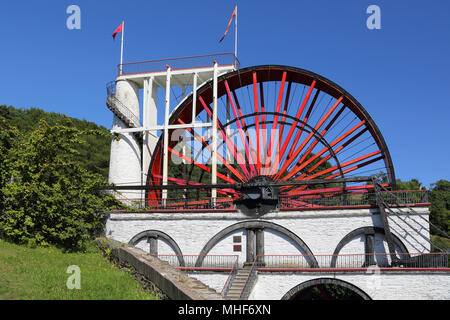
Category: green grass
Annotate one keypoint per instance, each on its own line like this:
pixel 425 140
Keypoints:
pixel 40 273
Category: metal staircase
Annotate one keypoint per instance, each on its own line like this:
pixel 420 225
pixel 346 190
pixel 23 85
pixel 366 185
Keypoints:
pixel 242 280
pixel 119 108
pixel 122 112
pixel 386 210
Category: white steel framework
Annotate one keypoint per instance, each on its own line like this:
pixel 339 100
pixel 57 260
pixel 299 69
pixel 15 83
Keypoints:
pixel 145 77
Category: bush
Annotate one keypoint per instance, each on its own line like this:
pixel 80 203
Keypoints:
pixel 51 198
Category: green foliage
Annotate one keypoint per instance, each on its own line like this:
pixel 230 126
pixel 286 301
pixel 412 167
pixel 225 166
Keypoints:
pixel 441 242
pixel 52 198
pixel 440 201
pixel 440 205
pixel 93 154
pixel 7 135
pixel 412 184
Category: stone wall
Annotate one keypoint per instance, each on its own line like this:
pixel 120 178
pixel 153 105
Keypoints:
pixel 385 285
pixel 321 231
pixel 158 274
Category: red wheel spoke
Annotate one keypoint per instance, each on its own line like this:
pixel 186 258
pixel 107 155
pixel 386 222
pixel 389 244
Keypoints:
pixel 241 132
pixel 275 122
pixel 298 115
pixel 229 143
pixel 221 159
pixel 360 165
pixel 313 145
pixel 300 148
pixel 187 183
pixel 249 141
pixel 255 99
pixel 263 118
pixel 335 152
pixel 201 166
pixel 343 165
pixel 283 119
pixel 303 163
pixel 324 159
pixel 305 120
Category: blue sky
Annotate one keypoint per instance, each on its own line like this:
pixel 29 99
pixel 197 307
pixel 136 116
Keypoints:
pixel 399 73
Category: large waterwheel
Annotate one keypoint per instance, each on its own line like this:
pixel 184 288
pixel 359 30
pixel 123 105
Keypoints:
pixel 276 124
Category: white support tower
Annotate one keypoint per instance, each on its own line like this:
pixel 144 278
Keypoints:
pixel 130 155
pixel 126 150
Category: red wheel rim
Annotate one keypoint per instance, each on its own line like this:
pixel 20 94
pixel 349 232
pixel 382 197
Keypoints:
pixel 285 123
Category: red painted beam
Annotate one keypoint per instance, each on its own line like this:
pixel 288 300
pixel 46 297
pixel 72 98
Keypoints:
pixel 255 99
pixel 241 131
pixel 221 159
pixel 275 123
pixel 229 143
pixel 296 153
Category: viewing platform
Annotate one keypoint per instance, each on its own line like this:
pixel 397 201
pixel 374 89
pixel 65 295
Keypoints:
pixel 181 68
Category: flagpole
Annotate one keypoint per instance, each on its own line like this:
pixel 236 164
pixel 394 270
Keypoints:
pixel 121 47
pixel 235 35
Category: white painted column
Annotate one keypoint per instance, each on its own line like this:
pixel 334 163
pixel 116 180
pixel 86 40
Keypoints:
pixel 166 137
pixel 184 137
pixel 194 97
pixel 149 119
pixel 194 108
pixel 230 158
pixel 126 150
pixel 214 137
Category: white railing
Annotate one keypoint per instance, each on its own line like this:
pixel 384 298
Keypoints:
pixel 222 59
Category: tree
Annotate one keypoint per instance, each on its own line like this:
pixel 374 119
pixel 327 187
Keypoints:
pixel 7 135
pixel 52 198
pixel 440 204
pixel 412 184
pixel 92 155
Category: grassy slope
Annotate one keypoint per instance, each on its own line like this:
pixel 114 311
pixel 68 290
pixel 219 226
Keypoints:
pixel 40 273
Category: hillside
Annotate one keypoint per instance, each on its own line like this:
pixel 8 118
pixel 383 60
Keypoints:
pixel 94 157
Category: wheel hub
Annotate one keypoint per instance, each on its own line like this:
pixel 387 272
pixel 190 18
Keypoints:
pixel 258 196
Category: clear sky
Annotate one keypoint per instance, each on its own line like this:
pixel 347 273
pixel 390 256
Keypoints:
pixel 399 73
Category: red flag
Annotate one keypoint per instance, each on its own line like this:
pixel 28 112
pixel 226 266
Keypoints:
pixel 119 29
pixel 229 23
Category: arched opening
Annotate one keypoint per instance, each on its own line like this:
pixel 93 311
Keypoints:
pixel 373 245
pixel 152 237
pixel 326 289
pixel 256 230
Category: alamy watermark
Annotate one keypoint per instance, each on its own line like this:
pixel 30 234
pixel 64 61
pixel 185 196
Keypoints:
pixel 373 22
pixel 73 21
pixel 373 279
pixel 74 280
